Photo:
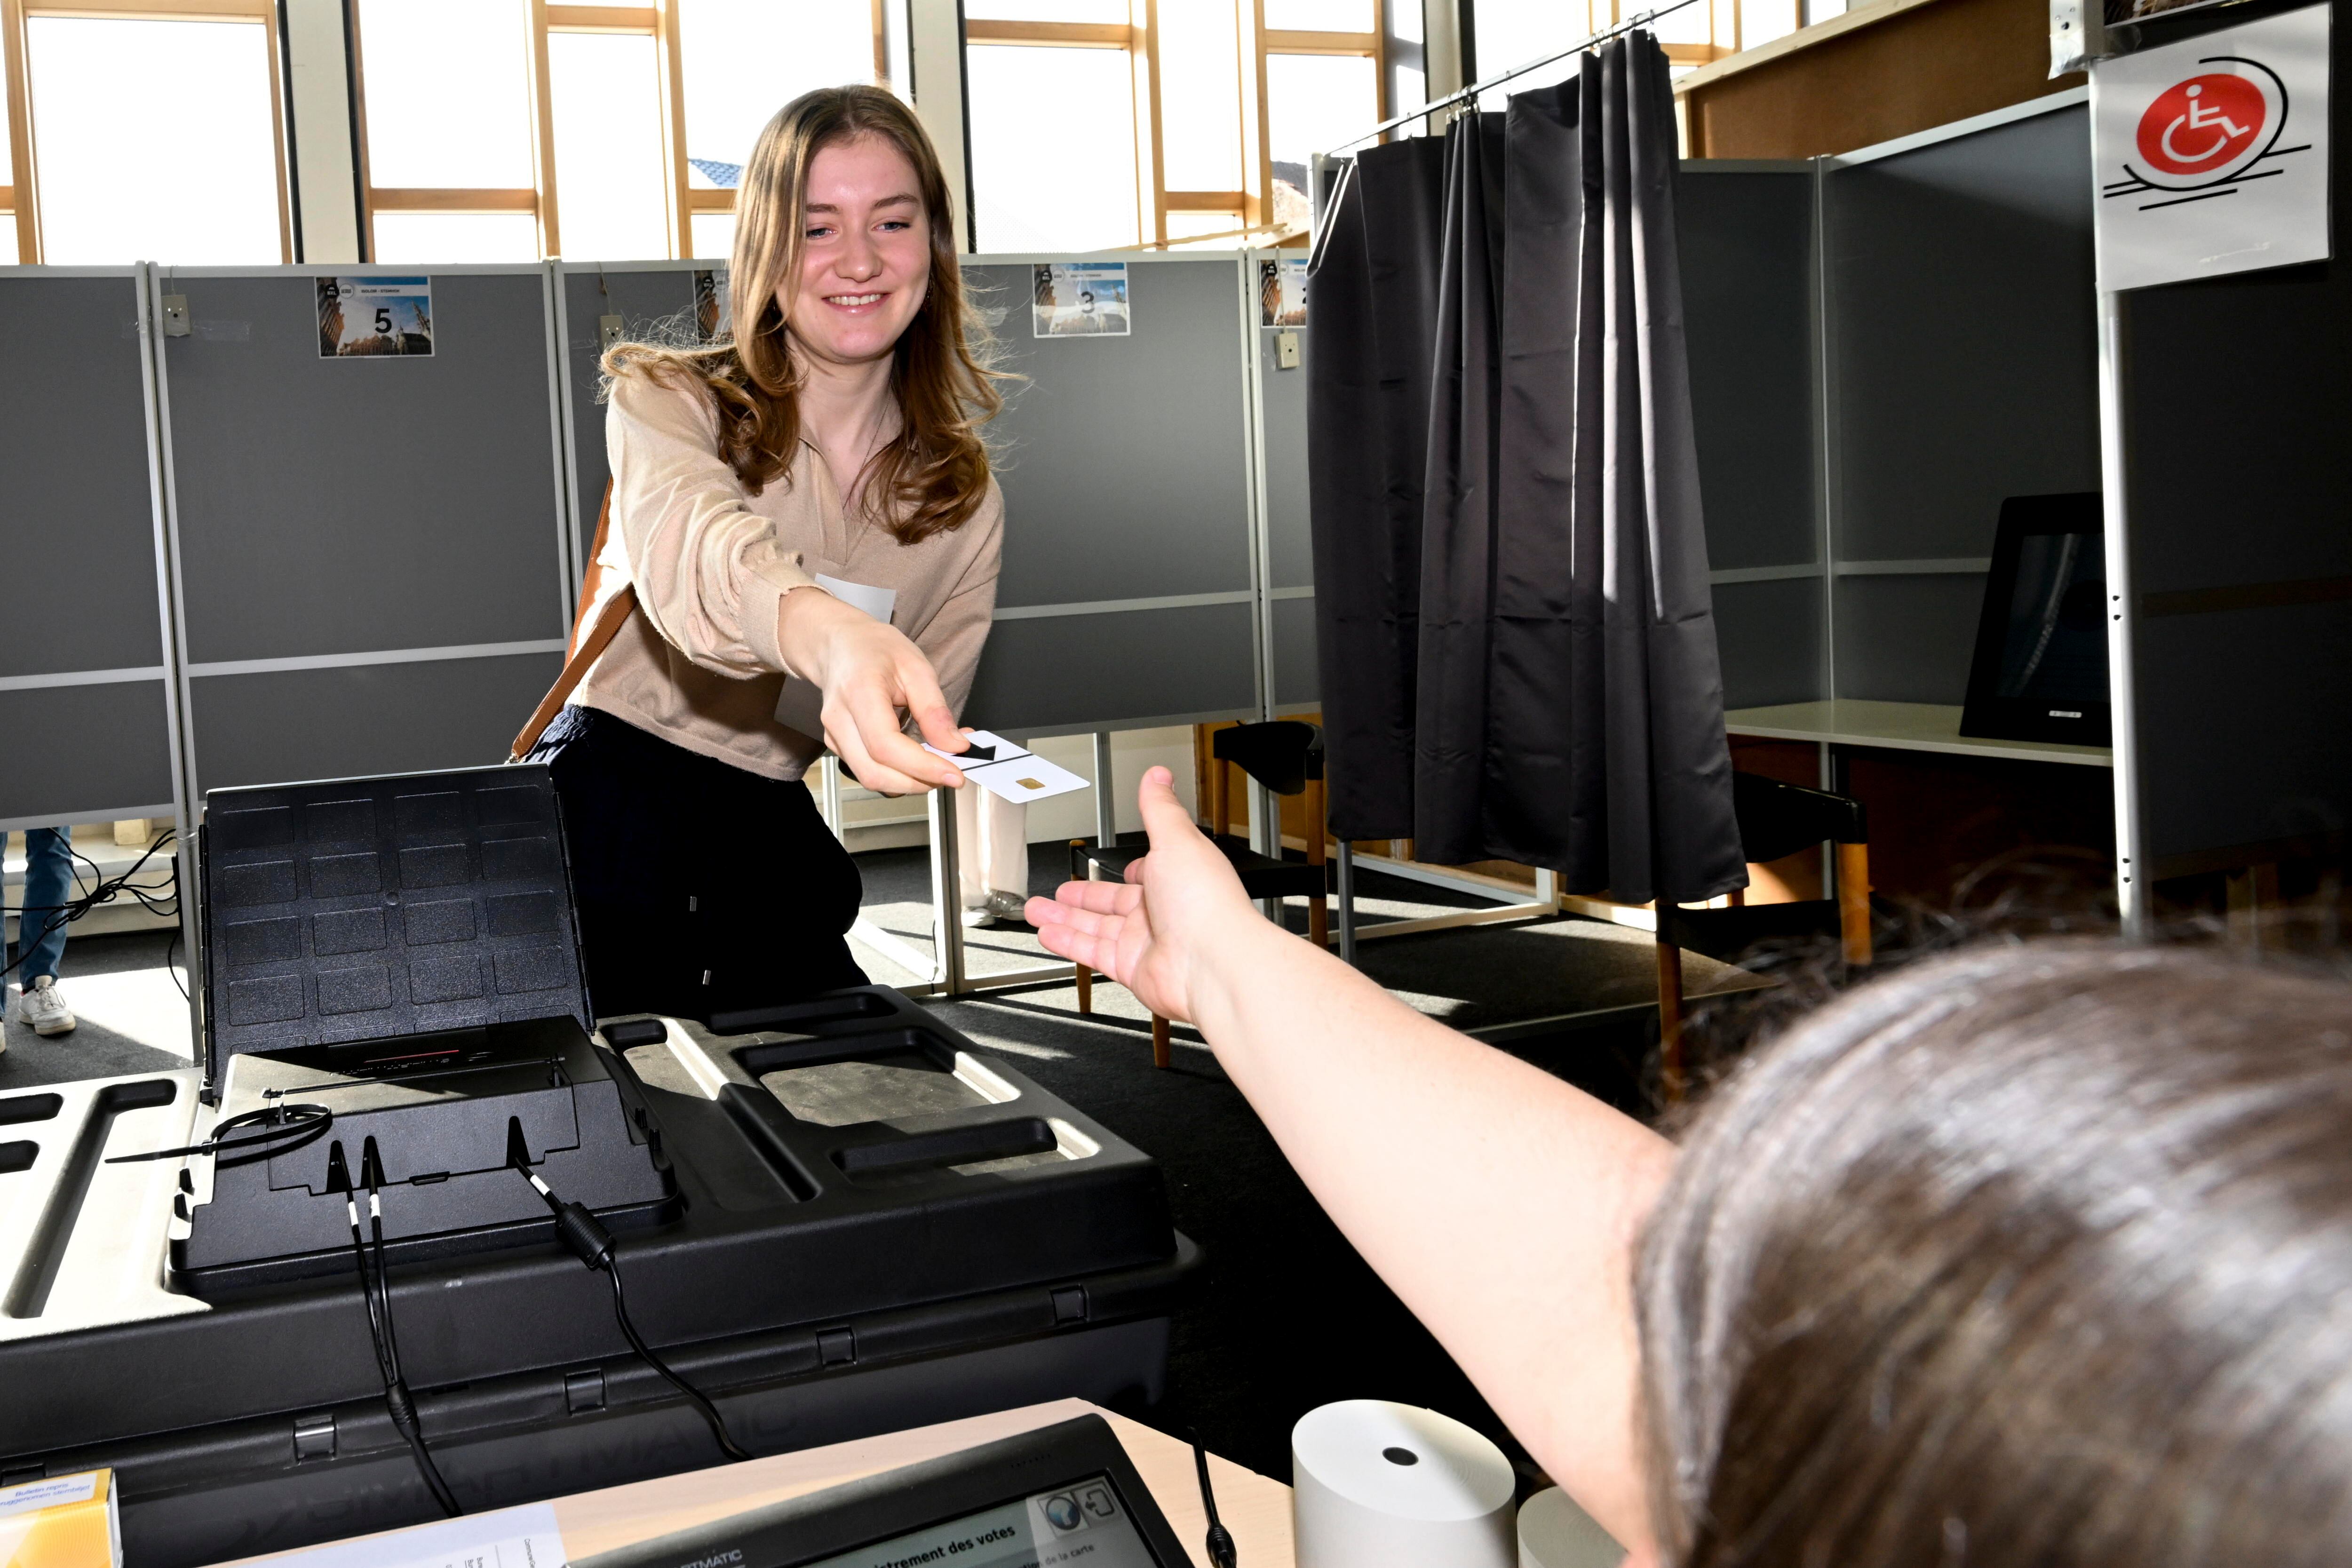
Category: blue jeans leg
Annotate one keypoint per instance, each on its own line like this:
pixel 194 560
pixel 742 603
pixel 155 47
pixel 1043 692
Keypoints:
pixel 48 883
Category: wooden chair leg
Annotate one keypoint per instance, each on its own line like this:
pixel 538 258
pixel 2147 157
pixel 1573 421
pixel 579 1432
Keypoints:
pixel 1670 1022
pixel 1854 900
pixel 1319 911
pixel 1319 920
pixel 1086 989
pixel 1158 1041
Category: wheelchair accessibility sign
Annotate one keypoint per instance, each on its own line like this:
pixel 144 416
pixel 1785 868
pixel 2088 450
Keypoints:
pixel 2211 153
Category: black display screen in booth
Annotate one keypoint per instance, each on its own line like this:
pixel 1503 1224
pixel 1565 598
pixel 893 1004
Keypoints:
pixel 2041 667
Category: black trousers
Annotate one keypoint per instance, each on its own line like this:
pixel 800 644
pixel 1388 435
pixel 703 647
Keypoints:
pixel 668 921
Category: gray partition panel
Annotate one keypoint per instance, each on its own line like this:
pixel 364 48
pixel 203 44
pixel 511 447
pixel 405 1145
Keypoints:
pixel 2248 485
pixel 105 751
pixel 1746 243
pixel 1769 637
pixel 1297 680
pixel 1057 674
pixel 1290 543
pixel 346 506
pixel 1124 459
pixel 2242 729
pixel 654 302
pixel 1963 338
pixel 1907 638
pixel 362 721
pixel 78 525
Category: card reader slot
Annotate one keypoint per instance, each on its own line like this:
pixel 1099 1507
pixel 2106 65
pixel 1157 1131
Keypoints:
pixel 46 1253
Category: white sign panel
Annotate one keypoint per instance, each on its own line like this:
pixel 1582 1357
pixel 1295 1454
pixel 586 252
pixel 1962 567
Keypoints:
pixel 2211 153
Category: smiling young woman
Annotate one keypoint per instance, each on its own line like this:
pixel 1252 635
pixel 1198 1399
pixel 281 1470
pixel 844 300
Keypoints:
pixel 805 514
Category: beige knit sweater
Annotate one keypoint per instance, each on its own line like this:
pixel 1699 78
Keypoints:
pixel 698 663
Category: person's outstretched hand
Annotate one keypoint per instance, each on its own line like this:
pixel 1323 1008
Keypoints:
pixel 870 674
pixel 1153 932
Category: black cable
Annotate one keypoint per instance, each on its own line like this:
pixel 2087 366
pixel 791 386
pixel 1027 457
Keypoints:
pixel 285 1128
pixel 106 891
pixel 727 1444
pixel 398 1402
pixel 1220 1542
pixel 589 1241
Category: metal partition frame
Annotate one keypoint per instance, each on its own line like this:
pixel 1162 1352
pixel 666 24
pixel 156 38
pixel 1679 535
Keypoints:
pixel 1917 332
pixel 307 708
pixel 653 296
pixel 81 465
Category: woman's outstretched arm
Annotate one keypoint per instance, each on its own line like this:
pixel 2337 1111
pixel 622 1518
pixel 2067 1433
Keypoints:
pixel 1502 1205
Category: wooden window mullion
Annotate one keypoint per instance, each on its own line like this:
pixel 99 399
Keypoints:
pixel 542 121
pixel 673 77
pixel 26 199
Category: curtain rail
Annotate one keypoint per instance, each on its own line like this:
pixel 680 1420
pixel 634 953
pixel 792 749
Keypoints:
pixel 1475 89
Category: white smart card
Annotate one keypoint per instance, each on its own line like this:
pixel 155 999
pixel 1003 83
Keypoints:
pixel 1025 778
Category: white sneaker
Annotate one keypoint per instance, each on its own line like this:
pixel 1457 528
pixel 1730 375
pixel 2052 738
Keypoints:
pixel 43 1005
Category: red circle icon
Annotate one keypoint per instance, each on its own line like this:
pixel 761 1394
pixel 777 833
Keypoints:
pixel 2204 126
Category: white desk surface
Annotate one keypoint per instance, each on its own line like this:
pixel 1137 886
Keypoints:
pixel 1254 1508
pixel 1898 726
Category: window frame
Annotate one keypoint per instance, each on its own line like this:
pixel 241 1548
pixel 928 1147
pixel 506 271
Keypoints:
pixel 660 21
pixel 20 196
pixel 1139 36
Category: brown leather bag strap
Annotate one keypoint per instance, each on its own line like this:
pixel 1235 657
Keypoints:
pixel 587 640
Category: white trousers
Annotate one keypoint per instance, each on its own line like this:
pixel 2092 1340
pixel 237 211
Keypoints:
pixel 991 845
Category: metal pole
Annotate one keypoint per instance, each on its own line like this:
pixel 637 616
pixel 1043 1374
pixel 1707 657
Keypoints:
pixel 947 895
pixel 2115 479
pixel 1105 794
pixel 1346 902
pixel 829 779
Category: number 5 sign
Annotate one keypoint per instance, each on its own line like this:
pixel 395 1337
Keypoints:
pixel 2211 153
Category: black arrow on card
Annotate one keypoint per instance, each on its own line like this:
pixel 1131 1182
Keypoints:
pixel 985 753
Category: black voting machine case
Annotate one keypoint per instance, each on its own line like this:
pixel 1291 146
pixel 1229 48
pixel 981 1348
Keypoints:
pixel 835 1217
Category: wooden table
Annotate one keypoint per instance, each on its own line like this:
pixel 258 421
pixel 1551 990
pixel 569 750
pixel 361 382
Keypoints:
pixel 1255 1509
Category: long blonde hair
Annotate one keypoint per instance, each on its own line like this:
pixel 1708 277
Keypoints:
pixel 932 477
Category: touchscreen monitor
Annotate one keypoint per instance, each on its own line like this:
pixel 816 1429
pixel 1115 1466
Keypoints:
pixel 1084 1523
pixel 2041 667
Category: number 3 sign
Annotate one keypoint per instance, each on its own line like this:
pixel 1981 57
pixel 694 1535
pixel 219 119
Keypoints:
pixel 2211 153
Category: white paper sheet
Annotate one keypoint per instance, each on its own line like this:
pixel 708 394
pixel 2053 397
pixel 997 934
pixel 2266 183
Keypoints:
pixel 523 1537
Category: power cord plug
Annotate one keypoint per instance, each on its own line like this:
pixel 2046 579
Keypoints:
pixel 1223 1553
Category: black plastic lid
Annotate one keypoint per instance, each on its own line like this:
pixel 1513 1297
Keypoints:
pixel 363 909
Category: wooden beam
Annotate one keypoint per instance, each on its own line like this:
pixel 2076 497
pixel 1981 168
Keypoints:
pixel 24 196
pixel 543 123
pixel 282 130
pixel 1291 41
pixel 159 10
pixel 1063 35
pixel 698 201
pixel 605 18
pixel 1802 38
pixel 422 199
pixel 1207 201
pixel 673 89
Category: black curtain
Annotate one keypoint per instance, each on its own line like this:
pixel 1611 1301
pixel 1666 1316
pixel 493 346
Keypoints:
pixel 1564 671
pixel 1375 265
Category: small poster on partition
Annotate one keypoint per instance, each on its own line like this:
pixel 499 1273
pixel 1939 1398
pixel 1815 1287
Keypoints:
pixel 2211 153
pixel 1282 293
pixel 1080 300
pixel 374 318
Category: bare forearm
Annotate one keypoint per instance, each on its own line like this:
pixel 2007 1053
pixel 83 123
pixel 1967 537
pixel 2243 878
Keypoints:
pixel 1501 1203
